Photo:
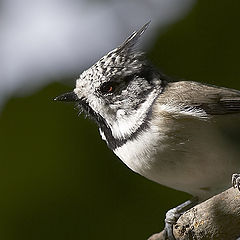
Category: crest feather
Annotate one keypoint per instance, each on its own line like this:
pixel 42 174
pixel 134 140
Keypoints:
pixel 132 39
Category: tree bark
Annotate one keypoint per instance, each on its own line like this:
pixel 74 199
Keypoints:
pixel 217 218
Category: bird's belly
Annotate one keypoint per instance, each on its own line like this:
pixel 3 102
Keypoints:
pixel 199 161
pixel 202 174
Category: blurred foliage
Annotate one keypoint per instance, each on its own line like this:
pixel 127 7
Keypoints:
pixel 204 46
pixel 60 181
pixel 58 178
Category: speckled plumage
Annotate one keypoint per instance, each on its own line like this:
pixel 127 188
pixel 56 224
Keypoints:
pixel 135 81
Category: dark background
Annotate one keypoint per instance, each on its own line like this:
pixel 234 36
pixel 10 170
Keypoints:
pixel 58 179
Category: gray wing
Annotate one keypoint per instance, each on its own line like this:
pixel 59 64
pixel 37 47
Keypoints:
pixel 212 99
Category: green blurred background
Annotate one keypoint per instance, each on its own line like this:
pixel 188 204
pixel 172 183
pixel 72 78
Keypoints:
pixel 59 180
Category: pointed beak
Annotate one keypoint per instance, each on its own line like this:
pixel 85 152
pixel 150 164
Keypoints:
pixel 67 97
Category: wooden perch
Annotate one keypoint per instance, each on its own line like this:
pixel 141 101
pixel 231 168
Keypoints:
pixel 216 218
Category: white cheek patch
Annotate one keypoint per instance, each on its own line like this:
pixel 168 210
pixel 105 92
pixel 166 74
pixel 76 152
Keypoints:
pixel 124 126
pixel 120 113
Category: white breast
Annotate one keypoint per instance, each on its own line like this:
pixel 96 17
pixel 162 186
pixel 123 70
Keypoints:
pixel 193 156
pixel 138 153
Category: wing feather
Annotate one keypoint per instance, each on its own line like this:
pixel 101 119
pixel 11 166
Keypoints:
pixel 209 98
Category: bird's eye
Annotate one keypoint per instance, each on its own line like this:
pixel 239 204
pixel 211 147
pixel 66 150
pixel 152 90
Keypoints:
pixel 107 88
pixel 116 85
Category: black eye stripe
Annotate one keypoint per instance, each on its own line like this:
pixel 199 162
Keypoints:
pixel 116 83
pixel 108 87
pixel 111 86
pixel 129 78
pixel 146 73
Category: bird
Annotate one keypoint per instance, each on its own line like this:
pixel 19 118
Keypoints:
pixel 175 133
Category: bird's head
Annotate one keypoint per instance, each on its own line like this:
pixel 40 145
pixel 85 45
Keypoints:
pixel 118 90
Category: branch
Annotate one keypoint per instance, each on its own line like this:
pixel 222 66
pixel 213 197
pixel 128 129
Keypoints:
pixel 216 218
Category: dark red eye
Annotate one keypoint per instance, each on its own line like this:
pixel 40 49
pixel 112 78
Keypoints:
pixel 107 88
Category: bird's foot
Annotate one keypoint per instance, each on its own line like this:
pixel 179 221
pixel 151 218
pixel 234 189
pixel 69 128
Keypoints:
pixel 236 181
pixel 173 214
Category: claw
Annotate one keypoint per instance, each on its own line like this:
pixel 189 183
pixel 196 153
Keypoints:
pixel 236 181
pixel 173 214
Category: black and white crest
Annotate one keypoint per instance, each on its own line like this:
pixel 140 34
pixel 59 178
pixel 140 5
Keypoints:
pixel 118 91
